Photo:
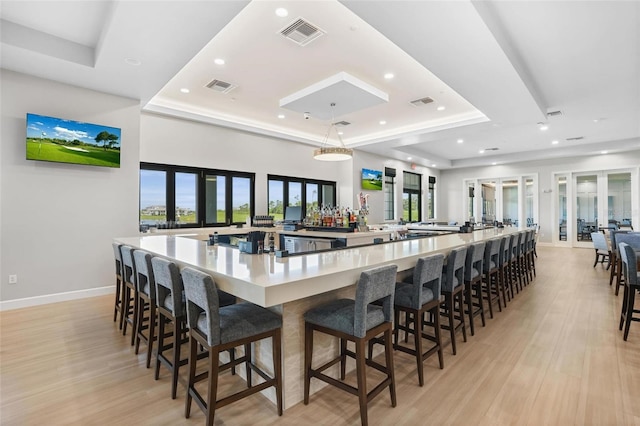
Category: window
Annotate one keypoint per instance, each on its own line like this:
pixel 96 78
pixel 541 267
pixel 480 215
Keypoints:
pixel 191 197
pixel 411 197
pixel 288 191
pixel 389 193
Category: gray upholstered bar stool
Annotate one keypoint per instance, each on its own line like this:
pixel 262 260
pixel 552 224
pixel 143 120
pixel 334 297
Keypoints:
pixel 146 302
pixel 119 281
pixel 221 328
pixel 453 292
pixel 616 263
pixel 631 286
pixel 514 265
pixel 419 295
pixel 504 263
pixel 530 254
pixel 171 310
pixel 358 321
pixel 128 312
pixel 491 270
pixel 522 257
pixel 473 269
pixel 603 252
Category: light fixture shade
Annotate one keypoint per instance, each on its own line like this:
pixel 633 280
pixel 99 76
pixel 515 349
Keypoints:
pixel 333 153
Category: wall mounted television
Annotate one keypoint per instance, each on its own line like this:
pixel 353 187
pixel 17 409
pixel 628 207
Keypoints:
pixel 372 180
pixel 68 141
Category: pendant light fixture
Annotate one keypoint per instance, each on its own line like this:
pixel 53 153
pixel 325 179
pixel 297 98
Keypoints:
pixel 332 153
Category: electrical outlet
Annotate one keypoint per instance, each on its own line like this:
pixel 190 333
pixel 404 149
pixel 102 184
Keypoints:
pixel 13 279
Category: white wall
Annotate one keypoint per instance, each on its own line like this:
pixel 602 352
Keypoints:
pixel 451 182
pixel 364 160
pixel 169 140
pixel 57 221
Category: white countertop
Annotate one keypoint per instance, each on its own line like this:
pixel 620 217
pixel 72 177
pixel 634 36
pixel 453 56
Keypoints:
pixel 267 281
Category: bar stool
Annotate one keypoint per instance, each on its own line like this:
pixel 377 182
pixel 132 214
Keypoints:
pixel 514 265
pixel 522 257
pixel 128 312
pixel 473 269
pixel 119 281
pixel 631 286
pixel 146 302
pixel 531 254
pixel 358 321
pixel 417 296
pixel 504 263
pixel 453 292
pixel 171 310
pixel 220 328
pixel 491 270
pixel 616 263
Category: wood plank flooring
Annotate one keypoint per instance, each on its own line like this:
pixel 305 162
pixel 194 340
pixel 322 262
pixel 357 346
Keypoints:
pixel 554 356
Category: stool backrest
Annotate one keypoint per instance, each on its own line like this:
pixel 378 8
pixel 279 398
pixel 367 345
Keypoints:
pixel 428 272
pixel 599 241
pixel 515 245
pixel 453 273
pixel 613 235
pixel 524 237
pixel 118 258
pixel 146 280
pixel 374 284
pixel 202 296
pixel 169 287
pixel 491 254
pixel 629 263
pixel 474 261
pixel 505 250
pixel 128 267
pixel 631 238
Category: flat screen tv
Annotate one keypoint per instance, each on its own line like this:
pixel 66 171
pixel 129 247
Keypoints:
pixel 68 141
pixel 372 180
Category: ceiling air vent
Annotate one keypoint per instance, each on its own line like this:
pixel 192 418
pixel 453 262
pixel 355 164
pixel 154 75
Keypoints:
pixel 577 138
pixel 341 123
pixel 556 113
pixel 491 149
pixel 302 32
pixel 423 101
pixel 221 86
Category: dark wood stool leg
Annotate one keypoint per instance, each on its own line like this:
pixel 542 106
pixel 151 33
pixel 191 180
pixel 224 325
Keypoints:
pixel 469 299
pixel 277 367
pixel 308 355
pixel 630 308
pixel 343 358
pixel 193 357
pixel 214 361
pixel 418 346
pixel 623 310
pixel 178 330
pixel 362 380
pixel 247 353
pixel 152 331
pixel 461 313
pixel 388 349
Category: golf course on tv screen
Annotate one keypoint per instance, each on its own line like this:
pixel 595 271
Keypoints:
pixel 68 141
pixel 372 180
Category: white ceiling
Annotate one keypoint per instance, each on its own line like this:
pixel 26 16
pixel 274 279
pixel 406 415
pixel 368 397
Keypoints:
pixel 497 67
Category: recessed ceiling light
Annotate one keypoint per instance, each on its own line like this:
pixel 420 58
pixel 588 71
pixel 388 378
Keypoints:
pixel 433 165
pixel 604 152
pixel 219 61
pixel 282 12
pixel 494 163
pixel 133 61
pixel 543 126
pixel 409 158
pixel 341 133
pixel 388 76
pixel 441 108
pixel 555 142
pixel 382 122
pixel 184 90
pixel 280 115
pixel 481 151
pixel 460 140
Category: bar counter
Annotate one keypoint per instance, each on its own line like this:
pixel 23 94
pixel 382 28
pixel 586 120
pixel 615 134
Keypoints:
pixel 292 285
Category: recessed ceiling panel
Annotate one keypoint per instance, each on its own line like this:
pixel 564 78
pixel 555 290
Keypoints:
pixel 337 95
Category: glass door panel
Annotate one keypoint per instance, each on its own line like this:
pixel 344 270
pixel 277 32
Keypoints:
pixel 215 199
pixel 586 206
pixel 529 203
pixel 488 194
pixel 562 207
pixel 510 202
pixel 618 200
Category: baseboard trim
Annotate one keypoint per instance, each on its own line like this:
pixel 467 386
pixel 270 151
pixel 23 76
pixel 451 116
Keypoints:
pixel 27 302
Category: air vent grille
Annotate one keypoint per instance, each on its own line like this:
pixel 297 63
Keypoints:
pixel 423 101
pixel 492 149
pixel 302 32
pixel 555 113
pixel 220 86
pixel 341 123
pixel 577 138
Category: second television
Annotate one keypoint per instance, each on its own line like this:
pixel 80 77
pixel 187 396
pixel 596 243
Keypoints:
pixel 372 180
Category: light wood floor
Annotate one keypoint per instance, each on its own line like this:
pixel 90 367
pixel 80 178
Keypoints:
pixel 554 356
